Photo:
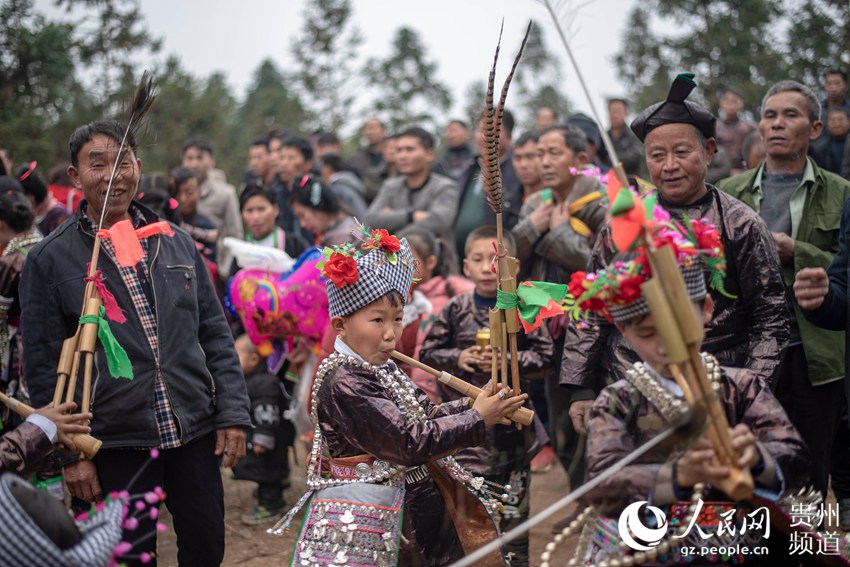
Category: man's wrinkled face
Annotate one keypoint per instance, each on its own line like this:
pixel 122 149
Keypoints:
pixel 95 163
pixel 678 161
pixel 557 161
pixel 786 127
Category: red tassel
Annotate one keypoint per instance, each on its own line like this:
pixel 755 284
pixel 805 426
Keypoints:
pixel 110 305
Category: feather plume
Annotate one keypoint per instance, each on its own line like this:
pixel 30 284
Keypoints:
pixel 138 108
pixel 491 184
pixel 490 172
pixel 137 113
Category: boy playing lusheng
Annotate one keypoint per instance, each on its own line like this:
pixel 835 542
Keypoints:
pixel 374 428
pixel 632 411
pixel 268 450
pixel 450 345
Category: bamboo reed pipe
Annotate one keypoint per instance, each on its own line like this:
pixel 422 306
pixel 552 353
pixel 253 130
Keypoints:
pixel 522 416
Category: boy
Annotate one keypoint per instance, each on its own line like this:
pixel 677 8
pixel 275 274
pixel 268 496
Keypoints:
pixel 374 428
pixel 632 411
pixel 506 455
pixel 266 458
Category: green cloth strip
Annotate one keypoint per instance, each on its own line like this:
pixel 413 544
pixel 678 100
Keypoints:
pixel 529 299
pixel 116 357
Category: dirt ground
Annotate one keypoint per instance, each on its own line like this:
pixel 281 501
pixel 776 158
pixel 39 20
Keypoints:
pixel 251 546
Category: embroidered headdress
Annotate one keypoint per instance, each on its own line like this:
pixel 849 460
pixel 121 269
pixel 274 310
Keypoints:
pixel 614 292
pixel 358 275
pixel 37 531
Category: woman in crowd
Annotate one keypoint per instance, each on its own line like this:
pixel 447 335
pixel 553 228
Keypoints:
pixel 319 212
pixel 259 214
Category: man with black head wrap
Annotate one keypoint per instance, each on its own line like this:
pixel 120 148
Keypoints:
pixel 749 330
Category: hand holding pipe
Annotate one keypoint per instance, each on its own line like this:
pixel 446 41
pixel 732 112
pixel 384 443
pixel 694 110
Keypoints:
pixel 522 416
pixel 87 444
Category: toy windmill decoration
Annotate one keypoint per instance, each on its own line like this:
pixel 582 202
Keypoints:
pixel 98 303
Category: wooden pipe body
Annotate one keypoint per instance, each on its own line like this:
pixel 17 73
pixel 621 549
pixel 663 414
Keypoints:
pixel 523 416
pixel 681 332
pixel 87 444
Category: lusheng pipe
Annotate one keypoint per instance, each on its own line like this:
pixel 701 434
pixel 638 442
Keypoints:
pixel 523 416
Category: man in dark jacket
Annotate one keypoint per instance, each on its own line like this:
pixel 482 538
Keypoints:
pixel 749 330
pixel 187 398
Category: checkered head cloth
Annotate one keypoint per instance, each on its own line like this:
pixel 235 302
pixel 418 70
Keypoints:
pixel 694 282
pixel 377 276
pixel 24 542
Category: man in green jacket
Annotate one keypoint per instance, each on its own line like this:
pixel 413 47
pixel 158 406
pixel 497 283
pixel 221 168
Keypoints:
pixel 801 204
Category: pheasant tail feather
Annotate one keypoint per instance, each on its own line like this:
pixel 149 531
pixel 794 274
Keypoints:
pixel 490 171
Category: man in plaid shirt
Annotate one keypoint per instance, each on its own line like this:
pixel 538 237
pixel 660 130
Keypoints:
pixel 187 398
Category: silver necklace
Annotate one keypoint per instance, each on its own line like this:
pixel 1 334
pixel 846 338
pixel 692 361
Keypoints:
pixel 21 241
pixel 671 407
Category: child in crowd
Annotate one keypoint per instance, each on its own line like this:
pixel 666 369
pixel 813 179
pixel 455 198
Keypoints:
pixel 266 460
pixel 451 346
pixel 319 212
pixel 185 187
pixel 436 282
pixel 632 411
pixel 375 429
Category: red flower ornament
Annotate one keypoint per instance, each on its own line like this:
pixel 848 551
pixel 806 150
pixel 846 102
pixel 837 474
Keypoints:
pixel 341 270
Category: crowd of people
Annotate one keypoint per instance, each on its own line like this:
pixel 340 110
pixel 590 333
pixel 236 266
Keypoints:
pixel 203 394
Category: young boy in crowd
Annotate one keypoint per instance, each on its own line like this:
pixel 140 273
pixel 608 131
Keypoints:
pixel 632 411
pixel 266 459
pixel 375 428
pixel 451 346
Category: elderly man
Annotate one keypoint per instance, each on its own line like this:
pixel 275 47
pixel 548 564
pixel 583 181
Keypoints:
pixel 187 398
pixel 801 204
pixel 749 330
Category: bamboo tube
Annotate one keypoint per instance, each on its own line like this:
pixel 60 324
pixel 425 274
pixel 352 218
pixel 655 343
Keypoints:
pixel 84 442
pixel 87 345
pixel 85 403
pixel 672 310
pixel 72 379
pixel 495 343
pixel 523 416
pixel 66 365
pixel 503 353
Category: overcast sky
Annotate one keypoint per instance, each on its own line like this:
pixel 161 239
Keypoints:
pixel 460 35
